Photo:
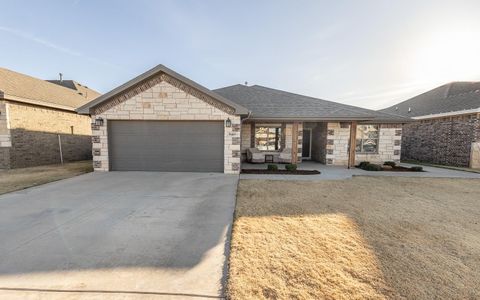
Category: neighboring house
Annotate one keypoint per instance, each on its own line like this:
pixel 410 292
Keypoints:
pixel 37 118
pixel 447 125
pixel 163 121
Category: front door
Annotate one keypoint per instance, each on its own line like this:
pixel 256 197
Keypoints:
pixel 307 144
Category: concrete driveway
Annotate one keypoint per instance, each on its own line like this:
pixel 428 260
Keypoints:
pixel 117 235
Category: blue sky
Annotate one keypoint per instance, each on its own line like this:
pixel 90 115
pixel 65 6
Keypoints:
pixel 365 53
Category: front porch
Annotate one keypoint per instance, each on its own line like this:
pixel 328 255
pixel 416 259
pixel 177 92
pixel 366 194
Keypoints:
pixel 325 142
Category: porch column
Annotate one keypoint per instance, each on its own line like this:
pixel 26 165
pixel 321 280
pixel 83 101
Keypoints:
pixel 294 142
pixel 352 144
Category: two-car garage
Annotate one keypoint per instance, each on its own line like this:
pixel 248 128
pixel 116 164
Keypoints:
pixel 171 146
pixel 163 121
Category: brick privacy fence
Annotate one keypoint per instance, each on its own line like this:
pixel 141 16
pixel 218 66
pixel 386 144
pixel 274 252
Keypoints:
pixel 445 141
pixel 34 148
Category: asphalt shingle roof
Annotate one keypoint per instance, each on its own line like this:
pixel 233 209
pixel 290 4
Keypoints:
pixel 451 97
pixel 83 90
pixel 267 103
pixel 23 88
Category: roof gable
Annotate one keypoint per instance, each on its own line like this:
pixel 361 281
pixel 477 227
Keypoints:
pixel 151 78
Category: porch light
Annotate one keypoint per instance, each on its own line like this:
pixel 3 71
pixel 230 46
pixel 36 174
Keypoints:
pixel 99 121
pixel 228 123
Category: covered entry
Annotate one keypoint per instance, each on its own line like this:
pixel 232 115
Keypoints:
pixel 171 146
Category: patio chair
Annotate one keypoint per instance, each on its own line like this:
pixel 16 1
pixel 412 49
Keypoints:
pixel 255 156
pixel 285 156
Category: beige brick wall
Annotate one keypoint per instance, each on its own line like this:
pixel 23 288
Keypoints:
pixel 389 145
pixel 36 118
pixel 166 102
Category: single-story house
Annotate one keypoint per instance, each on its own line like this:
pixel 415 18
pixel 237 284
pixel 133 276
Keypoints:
pixel 38 122
pixel 446 130
pixel 163 121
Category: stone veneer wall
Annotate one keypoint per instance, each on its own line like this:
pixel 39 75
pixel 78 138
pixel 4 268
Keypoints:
pixel 338 135
pixel 34 134
pixel 5 140
pixel 287 136
pixel 445 141
pixel 164 101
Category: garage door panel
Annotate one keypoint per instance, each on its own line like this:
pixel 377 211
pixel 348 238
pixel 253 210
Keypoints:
pixel 194 146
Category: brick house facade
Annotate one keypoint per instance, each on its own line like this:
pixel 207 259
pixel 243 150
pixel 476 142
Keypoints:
pixel 451 140
pixel 38 122
pixel 446 127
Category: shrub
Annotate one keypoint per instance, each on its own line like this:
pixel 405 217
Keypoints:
pixel 373 167
pixel 272 167
pixel 290 167
pixel 363 164
pixel 390 163
pixel 416 169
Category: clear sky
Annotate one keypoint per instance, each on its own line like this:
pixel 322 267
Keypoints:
pixel 365 53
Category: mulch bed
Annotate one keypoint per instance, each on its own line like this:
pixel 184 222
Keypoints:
pixel 280 172
pixel 395 169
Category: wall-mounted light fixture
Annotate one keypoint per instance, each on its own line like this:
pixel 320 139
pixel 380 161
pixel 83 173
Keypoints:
pixel 228 123
pixel 99 121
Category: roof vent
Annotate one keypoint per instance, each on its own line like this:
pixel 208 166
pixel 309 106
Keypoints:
pixel 396 107
pixel 409 109
pixel 61 77
pixel 246 82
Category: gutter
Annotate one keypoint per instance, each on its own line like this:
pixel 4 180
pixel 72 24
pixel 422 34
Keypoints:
pixel 448 114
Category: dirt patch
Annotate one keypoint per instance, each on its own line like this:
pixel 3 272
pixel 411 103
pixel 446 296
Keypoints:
pixel 376 238
pixel 17 179
pixel 280 172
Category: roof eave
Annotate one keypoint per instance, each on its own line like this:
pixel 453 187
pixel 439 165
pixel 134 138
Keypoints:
pixel 35 102
pixel 331 119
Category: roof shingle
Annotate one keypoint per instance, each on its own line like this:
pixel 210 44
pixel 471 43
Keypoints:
pixel 22 88
pixel 267 103
pixel 451 97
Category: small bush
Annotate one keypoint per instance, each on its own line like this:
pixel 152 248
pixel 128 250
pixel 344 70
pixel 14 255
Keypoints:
pixel 363 164
pixel 372 167
pixel 291 167
pixel 416 169
pixel 390 163
pixel 272 167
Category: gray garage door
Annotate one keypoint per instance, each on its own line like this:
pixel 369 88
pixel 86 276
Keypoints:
pixel 176 146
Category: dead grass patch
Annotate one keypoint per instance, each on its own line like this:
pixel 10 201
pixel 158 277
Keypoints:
pixel 17 179
pixel 368 237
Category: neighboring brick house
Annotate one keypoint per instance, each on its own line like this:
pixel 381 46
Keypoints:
pixel 37 118
pixel 446 130
pixel 163 121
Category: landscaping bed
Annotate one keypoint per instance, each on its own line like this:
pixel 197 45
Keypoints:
pixel 290 169
pixel 387 166
pixel 280 172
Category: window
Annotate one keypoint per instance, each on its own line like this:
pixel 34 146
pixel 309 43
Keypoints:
pixel 367 139
pixel 268 137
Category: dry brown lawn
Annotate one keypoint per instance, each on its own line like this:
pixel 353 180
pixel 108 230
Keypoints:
pixel 17 179
pixel 363 238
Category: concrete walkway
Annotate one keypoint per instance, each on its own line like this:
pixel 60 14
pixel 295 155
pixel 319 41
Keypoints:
pixel 126 235
pixel 337 172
